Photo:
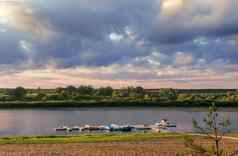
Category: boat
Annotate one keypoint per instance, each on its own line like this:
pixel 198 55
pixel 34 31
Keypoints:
pixel 62 128
pixel 164 124
pixel 124 128
pixel 157 127
pixel 114 127
pixel 90 128
pixel 104 128
pixel 75 128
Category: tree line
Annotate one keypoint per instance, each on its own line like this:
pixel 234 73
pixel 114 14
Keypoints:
pixel 90 93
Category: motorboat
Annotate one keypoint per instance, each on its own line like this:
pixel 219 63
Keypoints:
pixel 104 128
pixel 164 123
pixel 114 127
pixel 75 128
pixel 124 128
pixel 61 128
pixel 90 128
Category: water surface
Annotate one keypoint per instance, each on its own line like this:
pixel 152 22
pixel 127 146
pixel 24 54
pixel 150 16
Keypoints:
pixel 43 121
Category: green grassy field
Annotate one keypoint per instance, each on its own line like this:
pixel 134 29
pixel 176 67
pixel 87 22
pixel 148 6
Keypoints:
pixel 94 138
pixel 86 138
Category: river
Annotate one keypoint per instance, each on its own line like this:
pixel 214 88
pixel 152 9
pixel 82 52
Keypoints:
pixel 43 121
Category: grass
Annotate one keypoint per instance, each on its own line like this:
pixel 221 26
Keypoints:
pixel 234 134
pixel 89 138
pixel 97 138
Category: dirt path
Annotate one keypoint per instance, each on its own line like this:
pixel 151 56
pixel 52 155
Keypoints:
pixel 224 137
pixel 162 147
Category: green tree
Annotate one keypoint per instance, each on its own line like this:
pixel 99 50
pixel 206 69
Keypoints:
pixel 133 92
pixel 85 90
pixel 71 90
pixel 40 96
pixel 18 92
pixel 116 93
pixel 59 90
pixel 139 91
pixel 168 93
pixel 105 91
pixel 214 129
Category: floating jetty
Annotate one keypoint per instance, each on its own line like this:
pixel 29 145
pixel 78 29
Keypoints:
pixel 163 125
pixel 142 127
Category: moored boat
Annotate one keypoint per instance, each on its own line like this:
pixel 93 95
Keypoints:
pixel 104 128
pixel 157 127
pixel 124 128
pixel 90 128
pixel 75 128
pixel 62 128
pixel 164 123
pixel 114 127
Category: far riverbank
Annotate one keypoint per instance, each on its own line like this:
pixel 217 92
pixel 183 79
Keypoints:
pixel 79 104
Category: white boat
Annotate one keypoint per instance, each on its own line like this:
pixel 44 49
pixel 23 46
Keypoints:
pixel 114 127
pixel 164 124
pixel 104 128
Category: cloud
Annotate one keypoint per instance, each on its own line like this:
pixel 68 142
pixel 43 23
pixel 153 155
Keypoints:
pixel 106 32
pixel 161 41
pixel 201 41
pixel 19 16
pixel 118 75
pixel 194 18
pixel 233 40
pixel 116 37
pixel 26 46
pixel 171 7
pixel 183 58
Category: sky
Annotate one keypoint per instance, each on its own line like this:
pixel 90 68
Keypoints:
pixel 149 43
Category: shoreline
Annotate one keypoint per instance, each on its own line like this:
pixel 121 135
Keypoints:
pixel 85 104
